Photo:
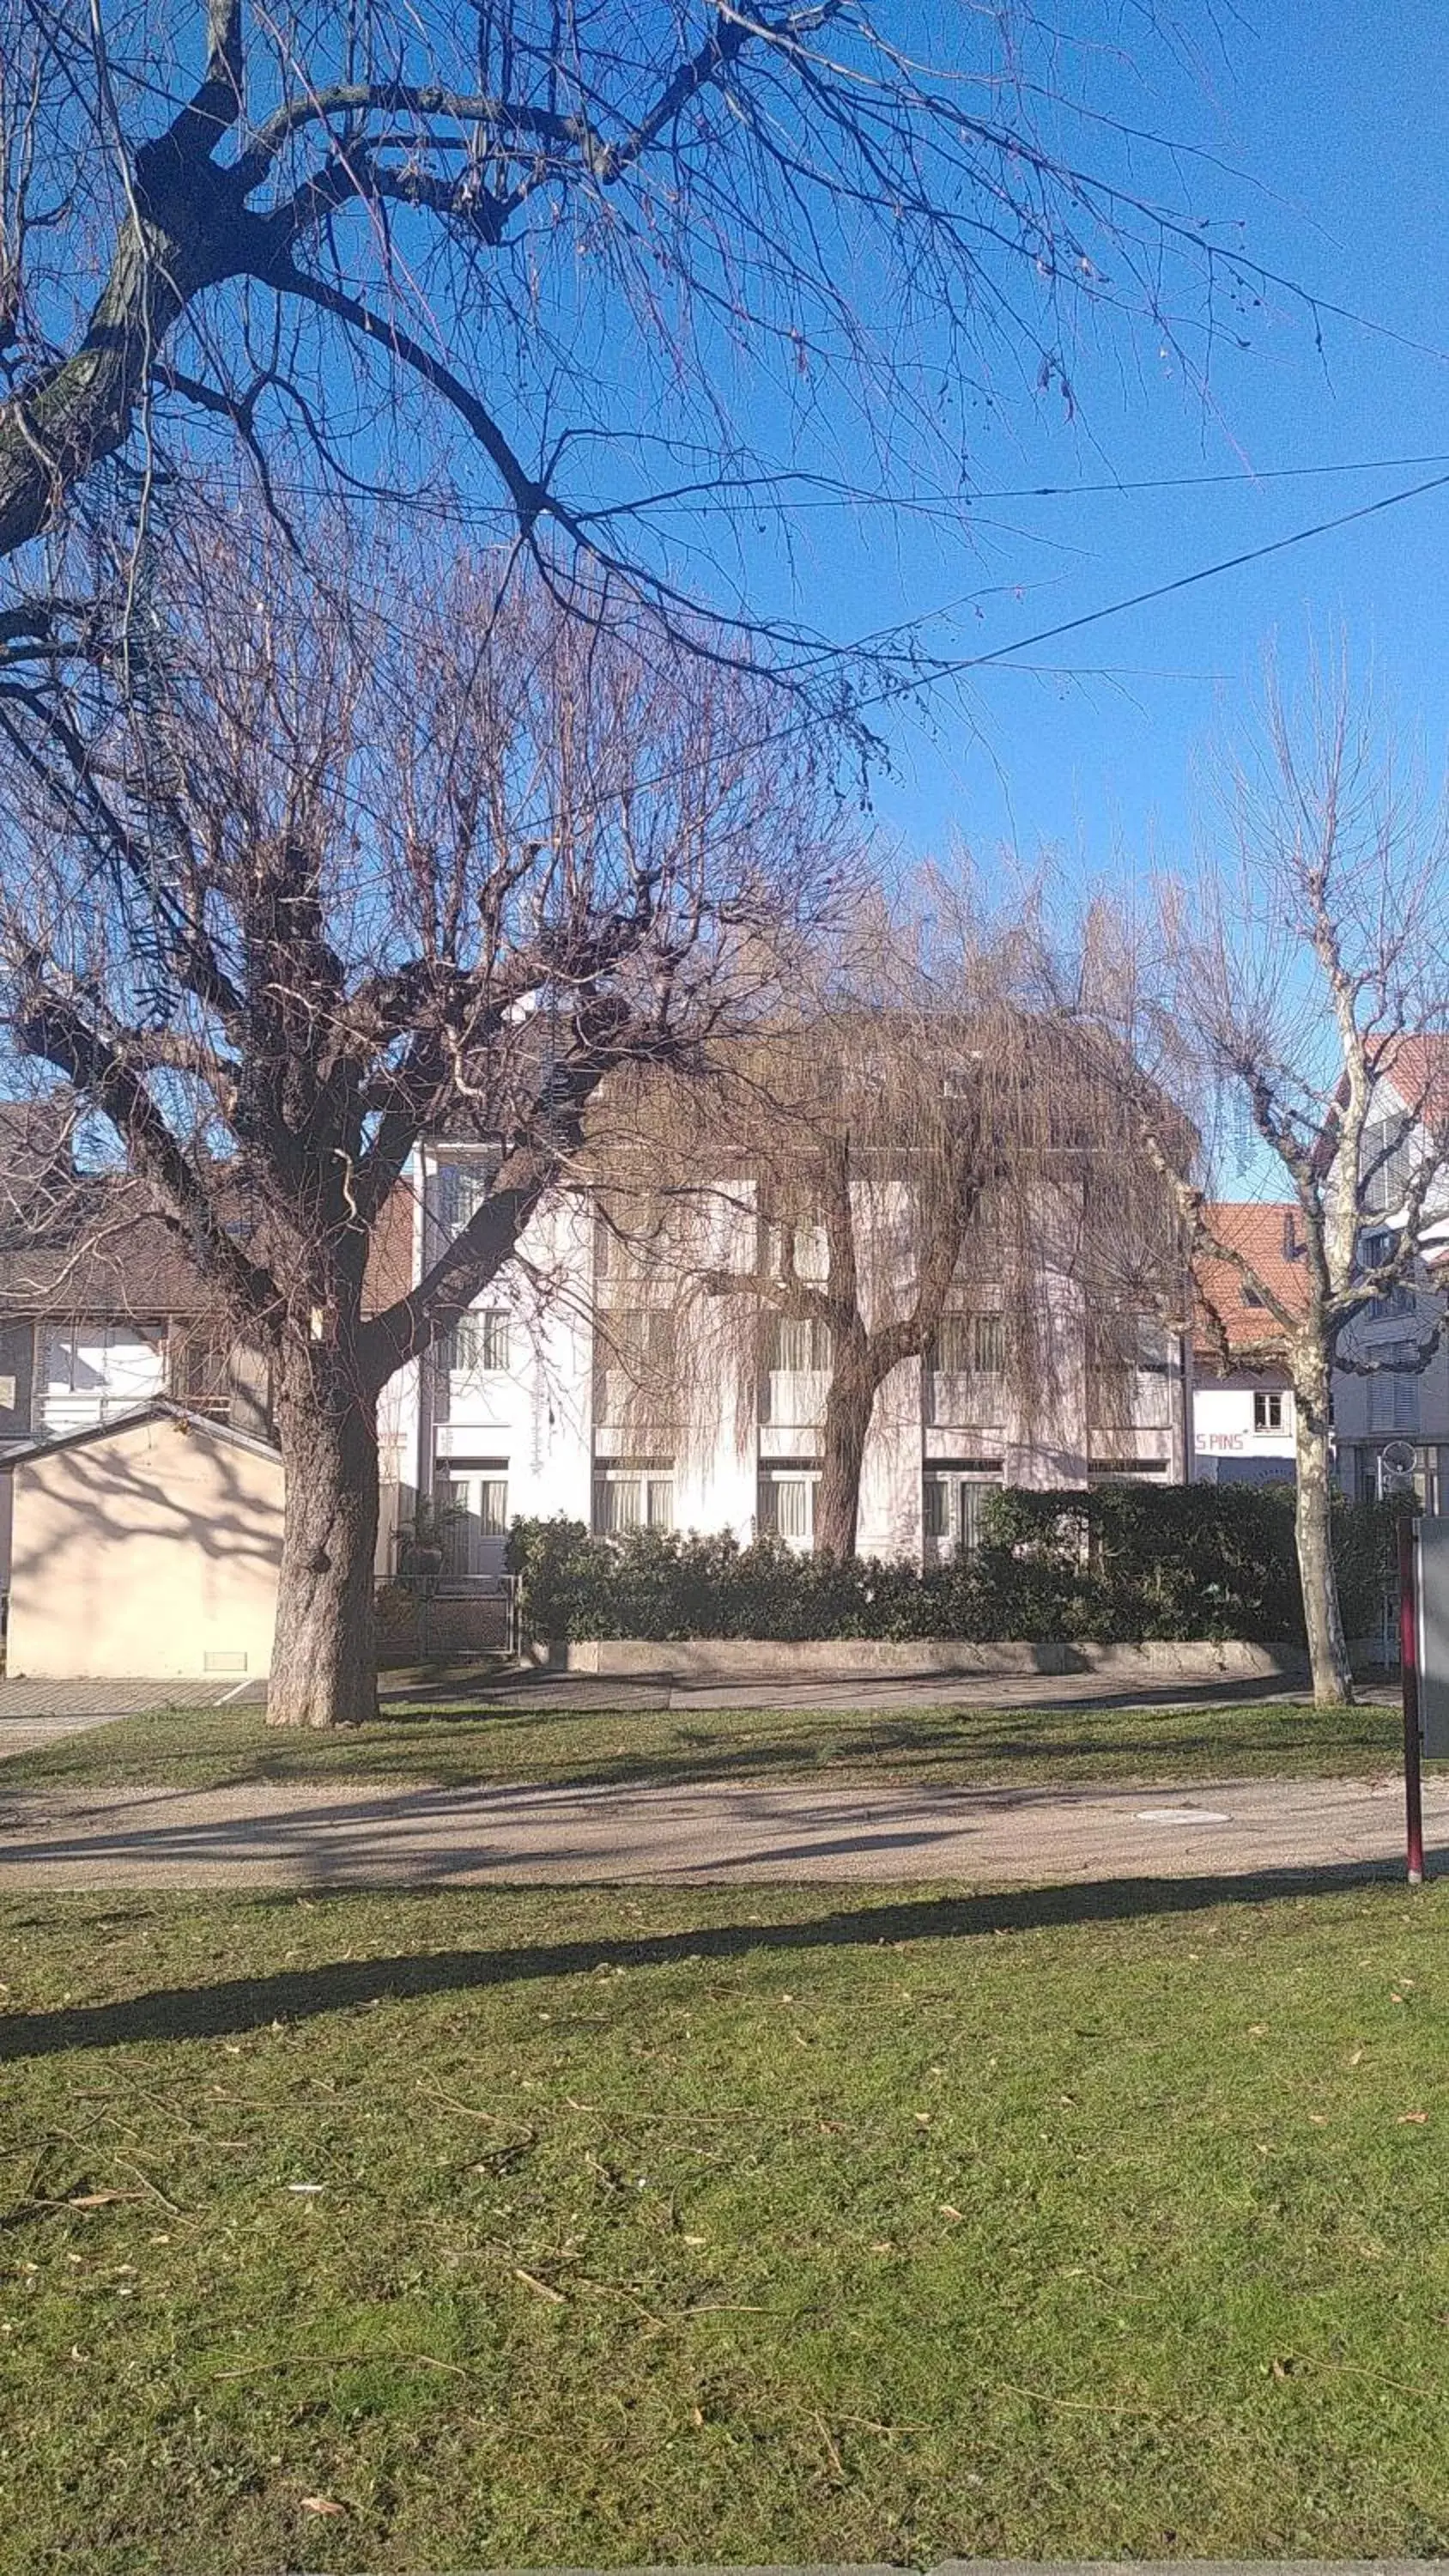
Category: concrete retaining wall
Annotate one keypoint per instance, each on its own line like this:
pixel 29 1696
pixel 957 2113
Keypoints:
pixel 731 1659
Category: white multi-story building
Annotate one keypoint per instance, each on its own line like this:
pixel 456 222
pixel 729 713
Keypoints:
pixel 579 1386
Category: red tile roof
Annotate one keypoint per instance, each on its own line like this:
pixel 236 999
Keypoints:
pixel 1418 1068
pixel 1264 1232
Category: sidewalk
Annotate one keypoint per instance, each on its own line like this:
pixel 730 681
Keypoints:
pixel 35 1713
pixel 267 1836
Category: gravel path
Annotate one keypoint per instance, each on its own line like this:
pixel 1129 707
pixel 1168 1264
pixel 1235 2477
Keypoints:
pixel 354 1835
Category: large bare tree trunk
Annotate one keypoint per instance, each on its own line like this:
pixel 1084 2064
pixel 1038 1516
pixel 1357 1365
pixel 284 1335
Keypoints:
pixel 1327 1651
pixel 848 1408
pixel 324 1651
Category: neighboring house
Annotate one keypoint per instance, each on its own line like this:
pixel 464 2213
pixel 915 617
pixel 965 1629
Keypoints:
pixel 146 1545
pixel 1242 1415
pixel 92 1329
pixel 566 1391
pixel 1384 1390
pixel 100 1310
pixel 1390 1396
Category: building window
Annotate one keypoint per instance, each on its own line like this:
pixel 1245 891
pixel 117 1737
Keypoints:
pixel 1118 1341
pixel 1268 1411
pixel 1386 1163
pixel 459 1190
pixel 1128 1368
pixel 110 1364
pixel 787 1505
pixel 636 1375
pixel 1393 1303
pixel 478 1345
pixel 971 1345
pixel 798 1252
pixel 200 1372
pixel 800 1343
pixel 954 1508
pixel 1393 1393
pixel 1375 1251
pixel 633 1498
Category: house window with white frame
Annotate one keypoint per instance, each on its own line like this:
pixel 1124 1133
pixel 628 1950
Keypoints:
pixel 633 1494
pixel 1270 1410
pixel 95 1370
pixel 971 1345
pixel 954 1502
pixel 478 1344
pixel 786 1504
pixel 800 1343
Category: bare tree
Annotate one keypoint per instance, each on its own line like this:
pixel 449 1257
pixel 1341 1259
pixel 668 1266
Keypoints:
pixel 328 886
pixel 542 262
pixel 1295 985
pixel 926 1144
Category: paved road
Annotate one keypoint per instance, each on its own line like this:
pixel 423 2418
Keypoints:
pixel 257 1835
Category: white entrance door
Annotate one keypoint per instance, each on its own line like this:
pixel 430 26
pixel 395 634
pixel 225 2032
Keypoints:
pixel 473 1514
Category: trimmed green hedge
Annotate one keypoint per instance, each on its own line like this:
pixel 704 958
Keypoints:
pixel 1122 1562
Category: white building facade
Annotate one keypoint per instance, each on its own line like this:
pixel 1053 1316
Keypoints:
pixel 1243 1431
pixel 579 1386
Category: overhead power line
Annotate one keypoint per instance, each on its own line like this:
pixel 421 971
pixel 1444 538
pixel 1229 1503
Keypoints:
pixel 1183 581
pixel 1245 475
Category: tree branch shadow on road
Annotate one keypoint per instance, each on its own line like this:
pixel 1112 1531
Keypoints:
pixel 238 2004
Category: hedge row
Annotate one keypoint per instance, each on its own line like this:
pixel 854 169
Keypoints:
pixel 1122 1562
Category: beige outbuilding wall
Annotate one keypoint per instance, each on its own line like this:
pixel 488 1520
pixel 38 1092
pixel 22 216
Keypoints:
pixel 149 1547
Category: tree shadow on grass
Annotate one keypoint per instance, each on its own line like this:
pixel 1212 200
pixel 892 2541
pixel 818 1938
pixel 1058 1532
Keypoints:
pixel 1073 1742
pixel 1028 1749
pixel 238 2004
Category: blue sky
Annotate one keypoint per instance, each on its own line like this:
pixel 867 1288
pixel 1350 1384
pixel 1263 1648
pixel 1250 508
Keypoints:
pixel 1327 113
pixel 1310 132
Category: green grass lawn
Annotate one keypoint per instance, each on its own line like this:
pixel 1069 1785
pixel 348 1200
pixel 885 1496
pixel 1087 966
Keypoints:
pixel 599 1746
pixel 749 2226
